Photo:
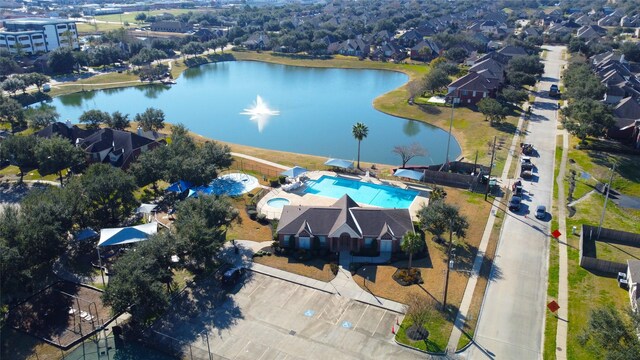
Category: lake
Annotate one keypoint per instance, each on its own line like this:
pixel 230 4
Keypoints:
pixel 316 109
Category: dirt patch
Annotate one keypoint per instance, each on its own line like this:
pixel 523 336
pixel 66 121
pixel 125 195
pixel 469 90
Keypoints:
pixel 315 268
pixel 62 313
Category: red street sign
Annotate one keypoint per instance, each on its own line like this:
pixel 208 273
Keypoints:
pixel 553 305
pixel 556 234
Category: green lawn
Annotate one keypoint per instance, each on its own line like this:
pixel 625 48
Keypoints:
pixel 84 28
pixel 131 16
pixel 437 340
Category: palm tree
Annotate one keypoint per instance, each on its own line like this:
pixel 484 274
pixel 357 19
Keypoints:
pixel 359 131
pixel 411 244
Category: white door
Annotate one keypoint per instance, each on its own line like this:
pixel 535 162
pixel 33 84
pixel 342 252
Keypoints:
pixel 304 243
pixel 385 245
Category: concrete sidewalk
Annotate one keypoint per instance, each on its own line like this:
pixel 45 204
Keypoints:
pixel 262 161
pixel 342 285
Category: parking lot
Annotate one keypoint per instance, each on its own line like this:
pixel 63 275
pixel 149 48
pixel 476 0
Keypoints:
pixel 269 318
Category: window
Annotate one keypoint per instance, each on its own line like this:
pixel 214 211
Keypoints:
pixel 36 37
pixel 474 93
pixel 484 94
pixel 23 38
pixel 464 92
pixel 304 243
pixel 368 242
pixel 1 37
pixel 323 241
pixel 63 26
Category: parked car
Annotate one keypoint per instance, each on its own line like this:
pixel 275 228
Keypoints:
pixel 514 204
pixel 526 174
pixel 554 91
pixel 233 275
pixel 525 163
pixel 527 149
pixel 517 187
pixel 541 212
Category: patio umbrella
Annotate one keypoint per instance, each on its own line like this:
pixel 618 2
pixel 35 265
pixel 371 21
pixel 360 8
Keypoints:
pixel 411 174
pixel 294 172
pixel 345 164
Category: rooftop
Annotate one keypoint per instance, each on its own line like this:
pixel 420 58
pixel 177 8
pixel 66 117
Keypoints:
pixel 38 21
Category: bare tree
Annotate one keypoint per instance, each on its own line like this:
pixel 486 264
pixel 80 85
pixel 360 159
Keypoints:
pixel 415 88
pixel 408 152
pixel 420 310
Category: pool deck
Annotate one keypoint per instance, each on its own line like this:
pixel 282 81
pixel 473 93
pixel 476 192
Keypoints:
pixel 299 197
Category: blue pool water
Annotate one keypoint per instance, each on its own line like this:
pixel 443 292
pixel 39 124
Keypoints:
pixel 278 202
pixel 361 192
pixel 230 184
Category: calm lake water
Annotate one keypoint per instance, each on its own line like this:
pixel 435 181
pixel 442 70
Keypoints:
pixel 317 108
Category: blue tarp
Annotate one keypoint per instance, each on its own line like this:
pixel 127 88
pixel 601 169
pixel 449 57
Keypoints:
pixel 345 164
pixel 119 236
pixel 179 187
pixel 410 174
pixel 294 172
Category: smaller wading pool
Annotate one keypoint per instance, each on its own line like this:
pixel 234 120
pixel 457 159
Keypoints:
pixel 278 203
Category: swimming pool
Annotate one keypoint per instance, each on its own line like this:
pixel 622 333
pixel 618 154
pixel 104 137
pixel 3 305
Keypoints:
pixel 278 203
pixel 365 193
pixel 233 184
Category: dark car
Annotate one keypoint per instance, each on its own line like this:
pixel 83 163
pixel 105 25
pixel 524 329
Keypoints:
pixel 514 204
pixel 232 276
pixel 554 91
pixel 541 212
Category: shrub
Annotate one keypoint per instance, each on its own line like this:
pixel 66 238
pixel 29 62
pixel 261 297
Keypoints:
pixel 261 217
pixel 282 179
pixel 274 182
pixel 334 268
pixel 252 214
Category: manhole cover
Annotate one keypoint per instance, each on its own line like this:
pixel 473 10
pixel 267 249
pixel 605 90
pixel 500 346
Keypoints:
pixel 309 313
pixel 346 325
pixel 292 332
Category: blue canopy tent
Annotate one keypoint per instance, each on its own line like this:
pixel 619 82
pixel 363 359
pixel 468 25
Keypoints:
pixel 294 172
pixel 126 235
pixel 345 164
pixel 192 193
pixel 410 174
pixel 179 186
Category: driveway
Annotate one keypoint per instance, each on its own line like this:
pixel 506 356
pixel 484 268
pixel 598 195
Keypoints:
pixel 269 318
pixel 511 321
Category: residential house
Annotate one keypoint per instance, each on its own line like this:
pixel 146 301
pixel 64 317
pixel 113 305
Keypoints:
pixel 350 47
pixel 410 38
pixel 472 58
pixel 513 51
pixel 530 31
pixel 388 50
pixel 630 21
pixel 490 68
pixel 170 26
pixel 633 278
pixel 627 124
pixel 66 130
pixel 116 147
pixel 612 19
pixel 425 50
pixel 472 88
pixel 590 32
pixel 343 226
pixel 258 41
pixel 584 20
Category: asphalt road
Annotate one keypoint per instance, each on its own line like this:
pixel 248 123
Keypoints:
pixel 511 321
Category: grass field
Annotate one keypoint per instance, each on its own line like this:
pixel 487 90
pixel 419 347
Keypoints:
pixel 130 17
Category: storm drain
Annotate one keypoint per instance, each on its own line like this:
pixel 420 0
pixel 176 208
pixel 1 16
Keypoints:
pixel 292 332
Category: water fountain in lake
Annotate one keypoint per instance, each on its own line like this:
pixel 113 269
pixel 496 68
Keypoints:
pixel 260 113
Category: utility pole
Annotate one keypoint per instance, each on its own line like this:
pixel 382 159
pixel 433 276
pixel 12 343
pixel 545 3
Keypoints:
pixel 606 197
pixel 493 154
pixel 446 281
pixel 453 104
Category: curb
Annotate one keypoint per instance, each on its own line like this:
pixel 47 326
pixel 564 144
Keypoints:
pixel 291 281
pixel 419 350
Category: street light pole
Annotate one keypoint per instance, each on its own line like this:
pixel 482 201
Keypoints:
pixel 453 104
pixel 206 334
pixel 493 154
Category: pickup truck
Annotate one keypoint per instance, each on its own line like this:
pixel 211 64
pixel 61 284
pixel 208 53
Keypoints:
pixel 554 91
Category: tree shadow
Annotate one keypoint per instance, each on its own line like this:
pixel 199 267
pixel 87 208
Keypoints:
pixel 429 109
pixel 505 127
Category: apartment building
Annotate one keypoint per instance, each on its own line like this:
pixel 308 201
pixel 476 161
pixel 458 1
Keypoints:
pixel 38 35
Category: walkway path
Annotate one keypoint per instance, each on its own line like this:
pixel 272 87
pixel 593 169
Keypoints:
pixel 262 161
pixel 342 285
pixel 463 310
pixel 563 292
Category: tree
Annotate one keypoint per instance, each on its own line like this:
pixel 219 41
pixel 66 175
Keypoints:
pixel 411 244
pixel 20 151
pixel 42 116
pixel 586 117
pixel 8 66
pixel 610 336
pixel 109 191
pixel 118 121
pixel 581 83
pixel 408 152
pixel 439 217
pixel 631 51
pixel 56 154
pixel 149 167
pixel 11 112
pixel 455 54
pixel 94 118
pixel 37 79
pixel 61 60
pixel 492 110
pixel 201 226
pixel 360 132
pixel 137 286
pixel 192 48
pixel 420 309
pixel 518 78
pixel 435 80
pixel 415 88
pixel 141 17
pixel 527 64
pixel 511 95
pixel 151 119
pixel 13 84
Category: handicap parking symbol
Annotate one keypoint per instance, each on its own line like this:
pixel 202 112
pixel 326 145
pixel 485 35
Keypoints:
pixel 346 325
pixel 309 313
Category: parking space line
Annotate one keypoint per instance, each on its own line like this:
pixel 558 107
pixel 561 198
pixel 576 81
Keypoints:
pixel 379 321
pixel 264 352
pixel 361 315
pixel 256 288
pixel 291 294
pixel 244 347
